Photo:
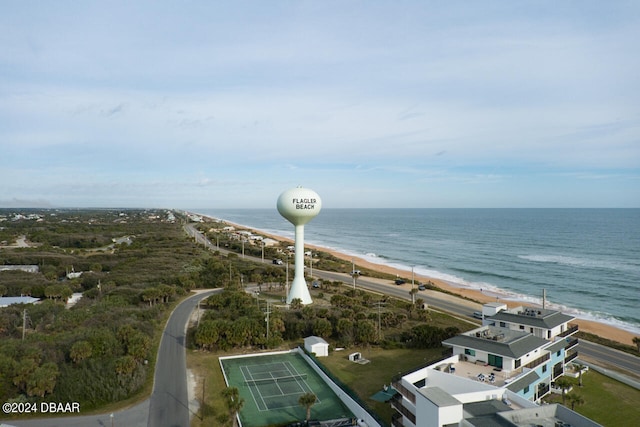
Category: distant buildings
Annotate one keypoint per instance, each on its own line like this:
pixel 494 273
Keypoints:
pixel 26 268
pixel 496 376
pixel 7 301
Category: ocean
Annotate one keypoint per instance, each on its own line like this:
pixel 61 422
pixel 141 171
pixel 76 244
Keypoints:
pixel 587 260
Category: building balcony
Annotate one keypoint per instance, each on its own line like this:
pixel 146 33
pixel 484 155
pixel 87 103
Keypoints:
pixel 539 361
pixel 571 344
pixel 570 357
pixel 572 330
pixel 396 420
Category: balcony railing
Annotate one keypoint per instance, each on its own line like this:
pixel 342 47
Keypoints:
pixel 396 420
pixel 571 344
pixel 572 329
pixel 570 357
pixel 543 389
pixel 539 361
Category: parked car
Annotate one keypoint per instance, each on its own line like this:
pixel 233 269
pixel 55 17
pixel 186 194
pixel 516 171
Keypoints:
pixel 400 282
pixel 477 315
pixel 277 261
pixel 422 287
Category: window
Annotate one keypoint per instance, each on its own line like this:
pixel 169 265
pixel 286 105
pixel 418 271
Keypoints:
pixel 469 352
pixel 518 363
pixel 526 390
pixel 558 353
pixel 522 327
pixel 503 325
pixel 544 368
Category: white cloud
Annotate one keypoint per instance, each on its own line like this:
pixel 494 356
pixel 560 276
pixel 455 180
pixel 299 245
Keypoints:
pixel 205 97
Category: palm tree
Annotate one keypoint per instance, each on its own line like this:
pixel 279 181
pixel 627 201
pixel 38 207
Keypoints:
pixel 579 367
pixel 307 400
pixel 563 383
pixel 575 399
pixel 234 402
pixel 636 341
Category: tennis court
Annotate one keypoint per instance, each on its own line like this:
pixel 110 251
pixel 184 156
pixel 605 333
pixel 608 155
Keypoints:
pixel 271 386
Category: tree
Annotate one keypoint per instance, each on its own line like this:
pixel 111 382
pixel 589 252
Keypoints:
pixel 80 350
pixel 413 293
pixel 345 329
pixel 365 332
pixel 636 341
pixel 234 402
pixel 580 367
pixel 43 380
pixel 564 384
pixel 308 400
pixel 322 328
pixel 208 333
pixel 150 295
pixel 575 399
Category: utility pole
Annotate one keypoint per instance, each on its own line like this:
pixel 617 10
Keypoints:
pixel 379 304
pixel 267 320
pixel 204 379
pixel 24 322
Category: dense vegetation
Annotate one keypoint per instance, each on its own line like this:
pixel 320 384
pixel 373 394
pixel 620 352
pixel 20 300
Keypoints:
pixel 134 265
pixel 347 317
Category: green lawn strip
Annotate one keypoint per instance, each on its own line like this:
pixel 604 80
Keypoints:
pixel 606 401
pixel 366 380
pixel 205 366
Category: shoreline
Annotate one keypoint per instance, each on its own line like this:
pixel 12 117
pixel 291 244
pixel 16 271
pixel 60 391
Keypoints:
pixel 590 326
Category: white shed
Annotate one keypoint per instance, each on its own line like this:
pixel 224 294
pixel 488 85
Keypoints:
pixel 316 345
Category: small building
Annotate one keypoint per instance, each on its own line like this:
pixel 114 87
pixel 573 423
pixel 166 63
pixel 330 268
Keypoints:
pixel 7 301
pixel 316 345
pixel 25 268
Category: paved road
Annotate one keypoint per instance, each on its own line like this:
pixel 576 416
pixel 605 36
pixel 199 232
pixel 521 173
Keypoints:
pixel 168 405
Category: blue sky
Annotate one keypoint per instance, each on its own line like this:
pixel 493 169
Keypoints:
pixel 369 103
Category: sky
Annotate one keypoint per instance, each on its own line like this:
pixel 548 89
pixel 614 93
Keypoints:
pixel 200 104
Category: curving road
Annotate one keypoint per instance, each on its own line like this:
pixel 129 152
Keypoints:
pixel 168 405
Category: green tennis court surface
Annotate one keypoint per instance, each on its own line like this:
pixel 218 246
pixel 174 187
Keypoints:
pixel 271 386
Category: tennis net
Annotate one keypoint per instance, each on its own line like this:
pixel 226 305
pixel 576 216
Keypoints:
pixel 276 380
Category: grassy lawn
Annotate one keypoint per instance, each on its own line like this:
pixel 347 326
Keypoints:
pixel 606 401
pixel 206 368
pixel 366 380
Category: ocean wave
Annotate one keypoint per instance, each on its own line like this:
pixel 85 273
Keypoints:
pixel 581 262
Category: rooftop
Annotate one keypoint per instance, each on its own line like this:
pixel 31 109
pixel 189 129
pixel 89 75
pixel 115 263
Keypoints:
pixel 533 316
pixel 499 341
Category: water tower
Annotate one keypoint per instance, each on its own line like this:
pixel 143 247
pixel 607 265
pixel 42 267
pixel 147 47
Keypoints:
pixel 299 206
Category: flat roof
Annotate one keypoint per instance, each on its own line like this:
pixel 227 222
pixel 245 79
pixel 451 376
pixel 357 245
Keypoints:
pixel 439 397
pixel 7 301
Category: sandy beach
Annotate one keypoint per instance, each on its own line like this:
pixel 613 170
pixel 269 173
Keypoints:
pixel 596 328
